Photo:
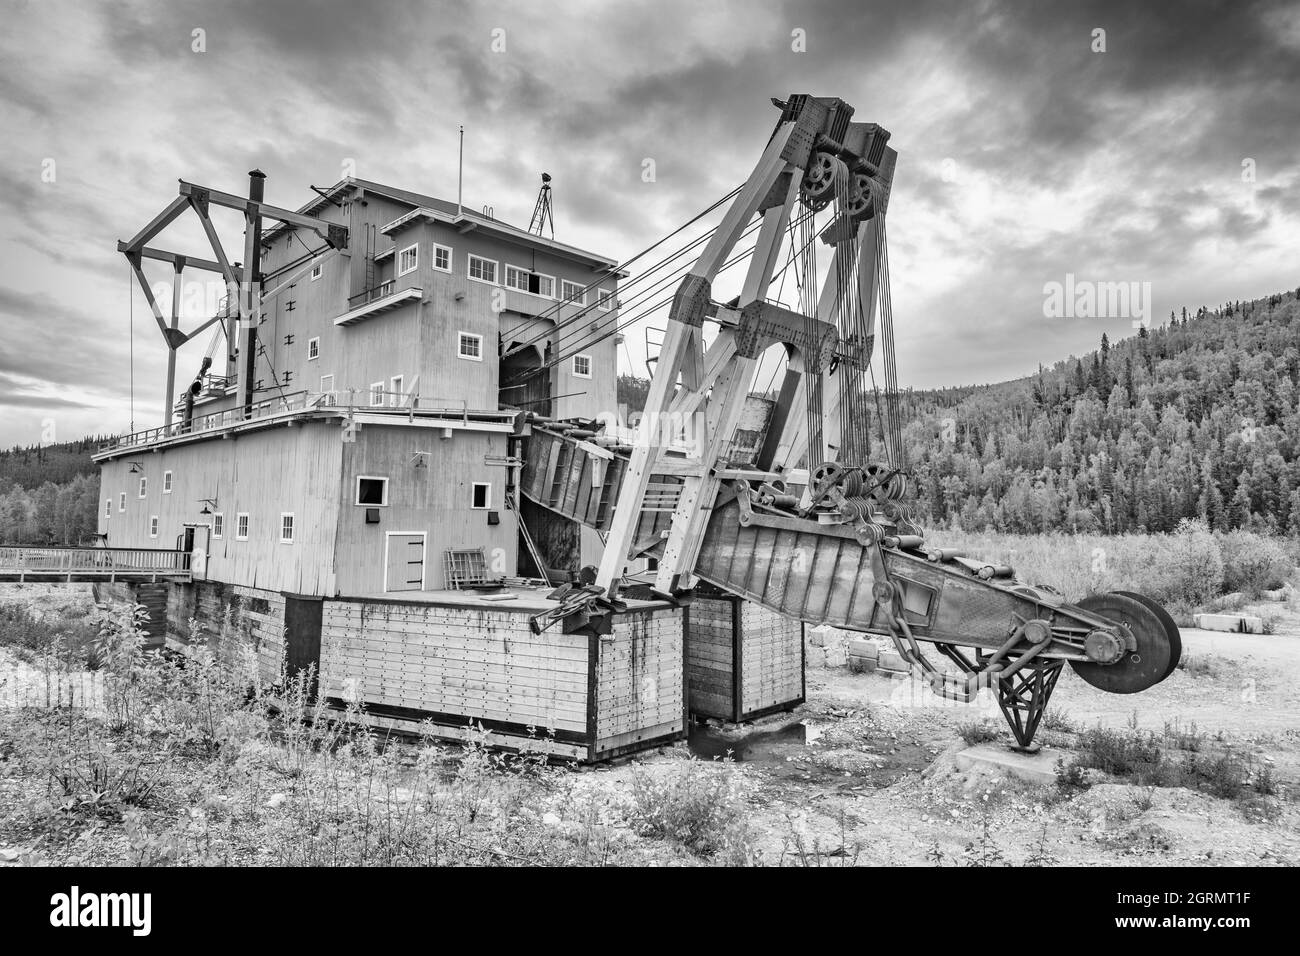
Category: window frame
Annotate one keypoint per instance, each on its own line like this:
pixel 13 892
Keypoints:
pixel 469 269
pixel 380 386
pixel 153 526
pixel 580 299
pixel 357 491
pixel 167 482
pixel 292 526
pixel 605 300
pixel 121 502
pixel 439 247
pixel 576 373
pixel 108 508
pixel 144 487
pixel 460 337
pixel 526 273
pixel 218 525
pixel 313 346
pixel 242 517
pixel 317 271
pixel 402 271
pixel 487 496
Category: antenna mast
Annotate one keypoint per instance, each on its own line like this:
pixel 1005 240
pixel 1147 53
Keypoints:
pixel 542 214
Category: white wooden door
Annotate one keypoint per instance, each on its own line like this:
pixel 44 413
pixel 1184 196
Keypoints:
pixel 404 564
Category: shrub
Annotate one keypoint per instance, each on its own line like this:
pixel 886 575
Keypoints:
pixel 699 806
pixel 1252 563
pixel 1185 566
pixel 977 732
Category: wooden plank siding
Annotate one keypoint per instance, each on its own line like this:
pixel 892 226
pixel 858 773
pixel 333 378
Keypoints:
pixel 452 665
pixel 742 659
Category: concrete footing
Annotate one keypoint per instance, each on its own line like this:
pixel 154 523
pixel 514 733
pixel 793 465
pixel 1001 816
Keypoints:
pixel 1235 623
pixel 1039 768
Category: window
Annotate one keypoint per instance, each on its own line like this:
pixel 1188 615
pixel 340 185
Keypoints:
pixel 153 526
pixel 377 393
pixel 144 486
pixel 604 300
pixel 167 482
pixel 317 271
pixel 482 496
pixel 286 527
pixel 533 282
pixel 313 349
pixel 469 346
pixel 582 366
pixel 241 527
pixel 484 270
pixel 372 492
pixel 218 525
pixel 442 258
pixel 573 292
pixel 108 507
pixel 327 388
pixel 408 260
pixel 395 386
pixel 121 502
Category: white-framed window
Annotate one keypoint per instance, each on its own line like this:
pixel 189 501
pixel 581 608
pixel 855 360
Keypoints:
pixel 469 346
pixel 408 260
pixel 397 388
pixel 317 271
pixel 573 292
pixel 121 502
pixel 144 486
pixel 167 482
pixel 376 393
pixel 483 270
pixel 442 258
pixel 532 282
pixel 604 300
pixel 218 525
pixel 372 491
pixel 108 507
pixel 327 388
pixel 582 366
pixel 481 496
pixel 313 349
pixel 153 526
pixel 241 526
pixel 286 527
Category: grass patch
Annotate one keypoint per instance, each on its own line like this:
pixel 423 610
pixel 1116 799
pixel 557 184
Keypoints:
pixel 978 732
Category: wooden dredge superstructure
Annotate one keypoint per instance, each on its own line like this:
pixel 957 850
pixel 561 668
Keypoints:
pixel 407 545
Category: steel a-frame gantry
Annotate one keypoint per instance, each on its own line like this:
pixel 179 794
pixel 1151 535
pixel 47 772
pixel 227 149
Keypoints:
pixel 815 152
pixel 243 281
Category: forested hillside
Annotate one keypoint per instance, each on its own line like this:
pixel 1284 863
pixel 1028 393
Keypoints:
pixel 49 494
pixel 1199 417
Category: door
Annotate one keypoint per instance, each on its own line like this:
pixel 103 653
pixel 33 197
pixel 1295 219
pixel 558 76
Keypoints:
pixel 404 561
pixel 198 547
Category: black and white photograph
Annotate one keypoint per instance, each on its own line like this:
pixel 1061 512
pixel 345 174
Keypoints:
pixel 500 435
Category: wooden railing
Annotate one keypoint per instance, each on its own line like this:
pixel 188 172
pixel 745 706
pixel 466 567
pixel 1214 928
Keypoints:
pixel 22 560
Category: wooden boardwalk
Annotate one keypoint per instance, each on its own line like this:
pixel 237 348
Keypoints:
pixel 24 563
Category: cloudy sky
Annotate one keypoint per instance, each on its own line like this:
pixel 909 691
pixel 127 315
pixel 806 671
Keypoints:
pixel 1027 152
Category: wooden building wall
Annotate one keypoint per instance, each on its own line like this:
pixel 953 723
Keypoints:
pixel 263 473
pixel 434 500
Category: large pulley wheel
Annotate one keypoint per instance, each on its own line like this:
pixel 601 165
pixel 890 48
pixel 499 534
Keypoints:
pixel 1171 629
pixel 1155 656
